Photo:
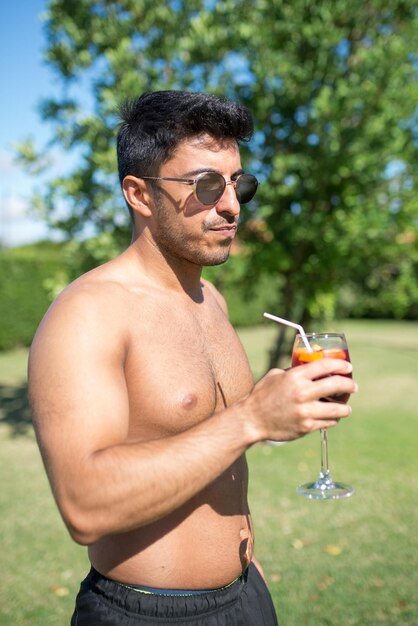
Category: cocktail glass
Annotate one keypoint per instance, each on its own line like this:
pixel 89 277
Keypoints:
pixel 334 346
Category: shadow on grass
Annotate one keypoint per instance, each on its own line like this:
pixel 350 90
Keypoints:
pixel 15 411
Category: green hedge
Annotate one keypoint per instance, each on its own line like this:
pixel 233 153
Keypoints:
pixel 23 294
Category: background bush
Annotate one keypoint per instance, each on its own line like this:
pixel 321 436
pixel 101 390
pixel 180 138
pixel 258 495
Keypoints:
pixel 24 294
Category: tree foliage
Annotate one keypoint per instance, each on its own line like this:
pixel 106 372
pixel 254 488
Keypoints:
pixel 333 88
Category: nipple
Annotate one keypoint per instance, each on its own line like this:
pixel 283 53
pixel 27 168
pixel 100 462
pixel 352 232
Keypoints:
pixel 189 401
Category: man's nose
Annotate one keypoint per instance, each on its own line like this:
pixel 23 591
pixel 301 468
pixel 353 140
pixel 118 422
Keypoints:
pixel 228 202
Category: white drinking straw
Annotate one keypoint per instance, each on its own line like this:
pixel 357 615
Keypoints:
pixel 298 327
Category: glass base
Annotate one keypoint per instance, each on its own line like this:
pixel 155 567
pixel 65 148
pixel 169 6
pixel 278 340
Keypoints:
pixel 325 489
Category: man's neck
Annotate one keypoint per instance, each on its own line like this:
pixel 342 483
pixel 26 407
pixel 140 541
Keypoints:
pixel 166 270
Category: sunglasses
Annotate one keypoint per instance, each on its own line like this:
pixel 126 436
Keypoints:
pixel 209 187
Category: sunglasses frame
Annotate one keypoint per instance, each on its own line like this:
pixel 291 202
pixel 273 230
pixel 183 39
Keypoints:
pixel 195 182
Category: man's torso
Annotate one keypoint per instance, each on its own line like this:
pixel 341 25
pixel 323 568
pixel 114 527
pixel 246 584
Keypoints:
pixel 183 362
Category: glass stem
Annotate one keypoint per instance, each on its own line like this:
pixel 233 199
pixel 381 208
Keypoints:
pixel 324 453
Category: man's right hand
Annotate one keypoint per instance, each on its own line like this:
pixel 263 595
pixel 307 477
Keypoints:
pixel 286 404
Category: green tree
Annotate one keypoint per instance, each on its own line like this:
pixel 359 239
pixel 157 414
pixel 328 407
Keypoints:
pixel 333 88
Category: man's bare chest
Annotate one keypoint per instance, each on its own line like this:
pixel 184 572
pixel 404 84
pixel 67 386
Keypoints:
pixel 180 370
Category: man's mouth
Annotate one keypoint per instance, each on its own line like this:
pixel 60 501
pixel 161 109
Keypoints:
pixel 227 230
pixel 228 227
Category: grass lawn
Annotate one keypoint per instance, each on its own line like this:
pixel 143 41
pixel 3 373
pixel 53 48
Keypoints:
pixel 339 563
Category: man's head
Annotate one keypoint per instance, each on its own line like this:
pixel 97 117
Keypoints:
pixel 154 124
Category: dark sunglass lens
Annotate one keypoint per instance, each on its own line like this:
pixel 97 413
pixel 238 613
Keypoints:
pixel 210 187
pixel 246 188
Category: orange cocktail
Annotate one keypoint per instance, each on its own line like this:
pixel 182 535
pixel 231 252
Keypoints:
pixel 308 348
pixel 302 355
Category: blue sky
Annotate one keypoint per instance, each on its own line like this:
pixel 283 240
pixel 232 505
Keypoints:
pixel 24 80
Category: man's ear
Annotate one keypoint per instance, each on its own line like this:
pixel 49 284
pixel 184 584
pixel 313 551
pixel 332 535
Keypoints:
pixel 136 195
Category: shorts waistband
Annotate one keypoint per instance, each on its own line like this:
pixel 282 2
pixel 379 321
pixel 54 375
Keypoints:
pixel 148 601
pixel 177 592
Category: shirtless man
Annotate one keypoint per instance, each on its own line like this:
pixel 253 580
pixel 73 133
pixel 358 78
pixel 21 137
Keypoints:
pixel 143 399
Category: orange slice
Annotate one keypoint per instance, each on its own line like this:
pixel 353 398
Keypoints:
pixel 304 356
pixel 335 353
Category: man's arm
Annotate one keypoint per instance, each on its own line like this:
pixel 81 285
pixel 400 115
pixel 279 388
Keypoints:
pixel 81 414
pixel 80 404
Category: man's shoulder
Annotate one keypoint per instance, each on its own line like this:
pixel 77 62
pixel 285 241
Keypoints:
pixel 91 303
pixel 91 290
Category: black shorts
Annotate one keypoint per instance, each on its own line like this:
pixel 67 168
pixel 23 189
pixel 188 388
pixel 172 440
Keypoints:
pixel 104 602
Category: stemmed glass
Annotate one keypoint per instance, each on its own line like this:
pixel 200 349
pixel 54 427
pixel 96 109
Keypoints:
pixel 330 345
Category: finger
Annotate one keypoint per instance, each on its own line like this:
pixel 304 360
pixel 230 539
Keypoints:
pixel 332 385
pixel 324 367
pixel 324 414
pixel 325 424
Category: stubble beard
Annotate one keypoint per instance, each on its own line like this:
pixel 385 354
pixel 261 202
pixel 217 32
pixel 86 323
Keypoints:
pixel 173 242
